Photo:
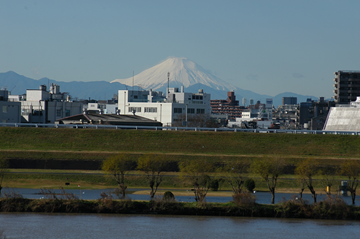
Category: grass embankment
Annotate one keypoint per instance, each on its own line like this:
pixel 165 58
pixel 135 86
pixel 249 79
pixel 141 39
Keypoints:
pixel 97 145
pixel 86 142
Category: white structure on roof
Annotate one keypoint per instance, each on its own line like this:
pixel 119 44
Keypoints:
pixel 155 106
pixel 344 118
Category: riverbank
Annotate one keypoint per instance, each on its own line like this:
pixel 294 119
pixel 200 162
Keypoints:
pixel 328 209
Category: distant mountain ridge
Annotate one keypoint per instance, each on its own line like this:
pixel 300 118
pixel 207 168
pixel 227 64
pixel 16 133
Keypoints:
pixel 101 90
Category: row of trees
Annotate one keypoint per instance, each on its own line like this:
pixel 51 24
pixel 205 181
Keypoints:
pixel 199 173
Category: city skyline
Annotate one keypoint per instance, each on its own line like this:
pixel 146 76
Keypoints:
pixel 266 47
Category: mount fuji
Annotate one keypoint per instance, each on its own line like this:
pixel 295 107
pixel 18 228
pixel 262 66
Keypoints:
pixel 184 72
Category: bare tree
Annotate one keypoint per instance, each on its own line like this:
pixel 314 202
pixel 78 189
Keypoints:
pixel 153 166
pixel 327 177
pixel 351 169
pixel 305 171
pixel 234 174
pixel 269 169
pixel 116 167
pixel 198 172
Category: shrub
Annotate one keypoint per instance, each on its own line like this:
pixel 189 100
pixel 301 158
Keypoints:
pixel 249 184
pixel 244 199
pixel 168 196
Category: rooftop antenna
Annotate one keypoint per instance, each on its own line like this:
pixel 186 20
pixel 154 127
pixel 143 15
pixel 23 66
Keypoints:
pixel 132 92
pixel 168 83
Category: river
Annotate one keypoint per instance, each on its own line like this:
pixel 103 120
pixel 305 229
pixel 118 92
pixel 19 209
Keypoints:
pixel 45 226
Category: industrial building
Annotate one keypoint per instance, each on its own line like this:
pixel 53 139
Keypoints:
pixel 42 106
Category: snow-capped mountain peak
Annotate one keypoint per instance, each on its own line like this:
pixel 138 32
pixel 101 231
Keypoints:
pixel 183 72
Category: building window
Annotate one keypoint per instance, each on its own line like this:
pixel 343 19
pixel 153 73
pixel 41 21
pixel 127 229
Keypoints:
pixel 58 113
pixel 177 110
pixel 200 111
pixel 150 110
pixel 191 111
pixel 136 109
pixel 5 109
pixel 67 113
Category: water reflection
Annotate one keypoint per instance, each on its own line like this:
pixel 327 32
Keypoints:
pixel 34 225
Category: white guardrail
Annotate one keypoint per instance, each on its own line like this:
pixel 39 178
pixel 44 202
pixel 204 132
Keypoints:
pixel 89 126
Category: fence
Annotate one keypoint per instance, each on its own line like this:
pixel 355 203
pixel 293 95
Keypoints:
pixel 89 126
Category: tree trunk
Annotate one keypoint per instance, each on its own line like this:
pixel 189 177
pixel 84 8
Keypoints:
pixel 152 194
pixel 301 193
pixel 353 195
pixel 272 195
pixel 314 196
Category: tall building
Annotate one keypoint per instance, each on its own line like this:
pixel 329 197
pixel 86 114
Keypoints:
pixel 230 106
pixel 347 86
pixel 289 100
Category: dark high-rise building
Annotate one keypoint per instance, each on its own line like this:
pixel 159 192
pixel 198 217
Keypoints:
pixel 347 86
pixel 289 101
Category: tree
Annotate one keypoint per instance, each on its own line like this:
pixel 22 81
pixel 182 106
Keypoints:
pixel 117 166
pixel 269 169
pixel 305 171
pixel 351 169
pixel 198 173
pixel 249 184
pixel 4 165
pixel 152 166
pixel 234 174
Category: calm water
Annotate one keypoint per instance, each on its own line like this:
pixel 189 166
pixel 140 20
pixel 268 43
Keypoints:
pixel 261 197
pixel 34 225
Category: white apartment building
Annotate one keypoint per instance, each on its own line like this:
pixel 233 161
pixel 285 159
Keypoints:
pixel 167 110
pixel 42 106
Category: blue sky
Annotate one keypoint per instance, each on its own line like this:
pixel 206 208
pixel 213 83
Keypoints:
pixel 268 47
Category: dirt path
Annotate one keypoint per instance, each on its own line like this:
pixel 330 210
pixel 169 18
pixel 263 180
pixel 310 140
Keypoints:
pixel 181 154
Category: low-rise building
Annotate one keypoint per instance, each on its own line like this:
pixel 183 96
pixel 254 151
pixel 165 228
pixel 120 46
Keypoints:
pixel 107 119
